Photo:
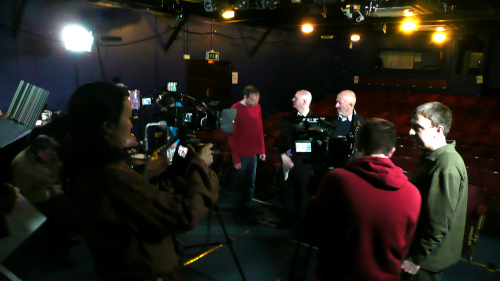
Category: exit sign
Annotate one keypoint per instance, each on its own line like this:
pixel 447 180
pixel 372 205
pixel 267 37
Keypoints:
pixel 211 55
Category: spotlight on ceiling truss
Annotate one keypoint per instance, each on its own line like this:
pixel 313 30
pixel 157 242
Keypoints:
pixel 210 5
pixel 264 4
pixel 242 4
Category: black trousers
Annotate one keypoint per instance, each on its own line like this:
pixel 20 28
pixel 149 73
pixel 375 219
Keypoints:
pixel 422 275
pixel 296 193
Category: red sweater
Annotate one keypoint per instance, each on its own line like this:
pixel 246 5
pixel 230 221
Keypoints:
pixel 248 138
pixel 364 218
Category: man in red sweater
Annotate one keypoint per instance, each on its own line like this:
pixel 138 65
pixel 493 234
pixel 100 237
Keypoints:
pixel 364 216
pixel 246 143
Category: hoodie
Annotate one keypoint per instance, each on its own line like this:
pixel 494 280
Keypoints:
pixel 365 217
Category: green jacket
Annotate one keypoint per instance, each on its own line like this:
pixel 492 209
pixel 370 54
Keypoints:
pixel 441 178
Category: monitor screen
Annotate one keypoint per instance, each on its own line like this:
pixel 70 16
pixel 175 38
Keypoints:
pixel 303 146
pixel 146 101
pixel 134 96
pixel 172 86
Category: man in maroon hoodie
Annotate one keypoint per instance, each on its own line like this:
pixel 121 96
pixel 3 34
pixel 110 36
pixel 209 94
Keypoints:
pixel 363 216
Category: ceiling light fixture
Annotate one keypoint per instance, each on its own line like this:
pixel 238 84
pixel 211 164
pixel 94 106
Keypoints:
pixel 408 26
pixel 307 28
pixel 264 4
pixel 210 5
pixel 438 37
pixel 228 14
pixel 355 37
pixel 408 13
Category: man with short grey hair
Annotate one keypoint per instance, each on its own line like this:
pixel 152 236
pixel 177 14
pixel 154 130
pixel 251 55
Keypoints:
pixel 347 124
pixel 297 166
pixel 441 178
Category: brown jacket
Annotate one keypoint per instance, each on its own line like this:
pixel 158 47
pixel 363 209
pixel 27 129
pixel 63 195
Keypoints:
pixel 128 223
pixel 33 178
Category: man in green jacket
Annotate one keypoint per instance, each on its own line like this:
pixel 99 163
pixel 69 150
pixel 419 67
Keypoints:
pixel 441 178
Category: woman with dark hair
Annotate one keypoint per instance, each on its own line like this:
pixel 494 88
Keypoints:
pixel 126 222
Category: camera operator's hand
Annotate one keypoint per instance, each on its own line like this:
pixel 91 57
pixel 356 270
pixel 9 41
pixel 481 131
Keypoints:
pixel 237 166
pixel 262 157
pixel 206 154
pixel 287 161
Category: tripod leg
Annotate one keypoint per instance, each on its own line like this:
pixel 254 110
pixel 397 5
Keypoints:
pixel 229 242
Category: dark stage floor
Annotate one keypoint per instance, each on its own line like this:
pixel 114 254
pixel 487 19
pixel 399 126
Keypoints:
pixel 264 252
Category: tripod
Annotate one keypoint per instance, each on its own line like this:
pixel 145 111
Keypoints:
pixel 229 242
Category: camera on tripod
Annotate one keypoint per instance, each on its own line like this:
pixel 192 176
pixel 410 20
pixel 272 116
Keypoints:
pixel 195 117
pixel 315 136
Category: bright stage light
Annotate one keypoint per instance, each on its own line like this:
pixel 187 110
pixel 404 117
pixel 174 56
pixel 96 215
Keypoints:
pixel 439 37
pixel 228 14
pixel 355 37
pixel 307 28
pixel 77 39
pixel 408 13
pixel 440 28
pixel 408 26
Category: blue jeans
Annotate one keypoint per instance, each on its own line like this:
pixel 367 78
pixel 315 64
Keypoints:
pixel 243 183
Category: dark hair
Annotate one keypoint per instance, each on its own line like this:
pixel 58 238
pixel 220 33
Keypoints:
pixel 377 136
pixel 250 90
pixel 89 107
pixel 438 113
pixel 43 142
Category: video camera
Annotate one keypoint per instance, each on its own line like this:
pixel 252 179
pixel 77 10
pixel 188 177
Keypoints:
pixel 315 136
pixel 193 117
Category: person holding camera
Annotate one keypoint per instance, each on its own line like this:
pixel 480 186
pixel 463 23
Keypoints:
pixel 298 167
pixel 246 142
pixel 126 222
pixel 371 210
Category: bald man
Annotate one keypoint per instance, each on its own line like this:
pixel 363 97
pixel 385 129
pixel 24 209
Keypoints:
pixel 347 124
pixel 298 166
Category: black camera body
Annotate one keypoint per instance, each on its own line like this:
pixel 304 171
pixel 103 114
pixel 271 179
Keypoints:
pixel 315 136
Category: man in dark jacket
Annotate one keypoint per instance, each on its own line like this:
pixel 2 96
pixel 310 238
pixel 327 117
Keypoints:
pixel 363 216
pixel 297 166
pixel 347 124
pixel 441 178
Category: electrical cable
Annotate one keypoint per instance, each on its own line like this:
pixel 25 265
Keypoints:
pixel 100 62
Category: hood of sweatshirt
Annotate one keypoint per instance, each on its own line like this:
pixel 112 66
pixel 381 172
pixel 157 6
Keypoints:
pixel 378 171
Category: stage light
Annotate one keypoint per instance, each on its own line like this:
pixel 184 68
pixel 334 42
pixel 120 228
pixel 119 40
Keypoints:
pixel 408 26
pixel 228 14
pixel 77 39
pixel 408 13
pixel 307 28
pixel 242 4
pixel 355 37
pixel 440 29
pixel 438 37
pixel 264 4
pixel 210 5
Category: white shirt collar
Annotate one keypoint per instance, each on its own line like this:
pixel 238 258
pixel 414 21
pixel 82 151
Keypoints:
pixel 305 113
pixel 348 117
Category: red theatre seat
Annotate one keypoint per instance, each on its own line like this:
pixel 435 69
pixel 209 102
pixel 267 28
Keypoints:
pixel 407 164
pixel 407 151
pixel 476 213
pixel 491 180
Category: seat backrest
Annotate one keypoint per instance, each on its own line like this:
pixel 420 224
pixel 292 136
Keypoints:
pixel 476 197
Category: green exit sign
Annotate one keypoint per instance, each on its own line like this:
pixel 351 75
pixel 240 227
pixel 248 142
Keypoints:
pixel 211 55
